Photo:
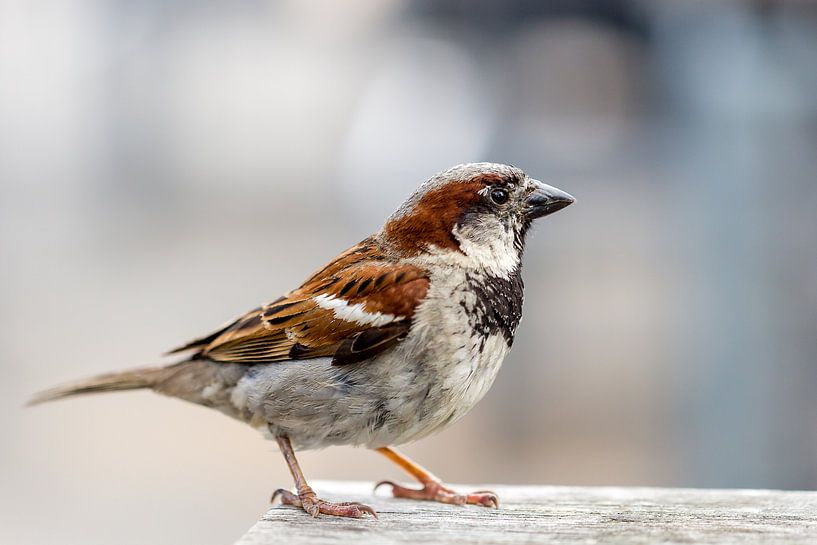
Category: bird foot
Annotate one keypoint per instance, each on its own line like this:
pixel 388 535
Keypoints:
pixel 437 491
pixel 309 502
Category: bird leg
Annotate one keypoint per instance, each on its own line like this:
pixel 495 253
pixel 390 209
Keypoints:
pixel 433 488
pixel 306 498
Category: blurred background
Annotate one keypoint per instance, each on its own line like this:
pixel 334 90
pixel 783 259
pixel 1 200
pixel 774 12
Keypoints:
pixel 165 166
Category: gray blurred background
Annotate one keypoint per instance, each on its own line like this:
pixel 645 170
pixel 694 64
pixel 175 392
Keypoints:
pixel 168 165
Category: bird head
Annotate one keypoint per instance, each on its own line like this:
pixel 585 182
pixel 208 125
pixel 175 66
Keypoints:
pixel 475 215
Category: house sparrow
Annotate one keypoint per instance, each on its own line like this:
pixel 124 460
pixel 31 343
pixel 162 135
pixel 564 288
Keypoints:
pixel 393 340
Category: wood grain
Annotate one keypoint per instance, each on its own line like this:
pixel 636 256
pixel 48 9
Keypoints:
pixel 551 514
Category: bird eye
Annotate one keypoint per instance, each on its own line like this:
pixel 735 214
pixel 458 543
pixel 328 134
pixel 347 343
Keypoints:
pixel 499 196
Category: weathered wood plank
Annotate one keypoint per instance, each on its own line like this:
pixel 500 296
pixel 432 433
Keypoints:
pixel 550 514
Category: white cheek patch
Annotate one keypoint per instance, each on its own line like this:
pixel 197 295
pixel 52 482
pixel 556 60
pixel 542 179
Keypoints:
pixel 355 312
pixel 495 254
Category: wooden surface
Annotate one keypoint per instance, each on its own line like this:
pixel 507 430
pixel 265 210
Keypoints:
pixel 550 514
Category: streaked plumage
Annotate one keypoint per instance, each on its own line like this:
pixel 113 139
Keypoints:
pixel 394 339
pixel 358 305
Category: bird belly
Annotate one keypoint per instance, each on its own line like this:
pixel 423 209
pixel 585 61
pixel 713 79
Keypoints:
pixel 427 381
pixel 456 380
pixel 408 392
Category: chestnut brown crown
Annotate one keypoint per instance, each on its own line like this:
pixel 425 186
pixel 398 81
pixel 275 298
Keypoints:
pixel 484 200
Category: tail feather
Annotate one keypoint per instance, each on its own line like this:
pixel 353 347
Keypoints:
pixel 109 382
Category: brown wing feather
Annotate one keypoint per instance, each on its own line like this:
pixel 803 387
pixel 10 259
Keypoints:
pixel 201 342
pixel 297 327
pixel 367 343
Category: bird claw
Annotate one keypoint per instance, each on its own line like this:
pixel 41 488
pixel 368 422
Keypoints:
pixel 314 506
pixel 436 491
pixel 381 483
pixel 484 497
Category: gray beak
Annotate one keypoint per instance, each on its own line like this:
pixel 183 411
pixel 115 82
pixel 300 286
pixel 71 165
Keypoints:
pixel 545 200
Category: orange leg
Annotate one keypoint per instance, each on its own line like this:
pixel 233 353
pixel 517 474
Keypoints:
pixel 433 488
pixel 306 498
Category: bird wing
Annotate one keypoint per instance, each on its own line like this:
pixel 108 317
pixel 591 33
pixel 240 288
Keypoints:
pixel 360 304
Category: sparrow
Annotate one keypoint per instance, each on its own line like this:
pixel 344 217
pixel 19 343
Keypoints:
pixel 396 338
